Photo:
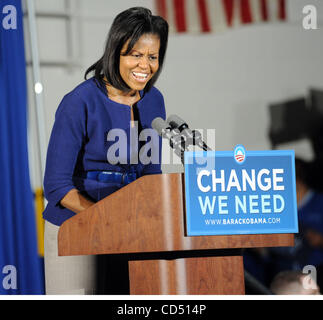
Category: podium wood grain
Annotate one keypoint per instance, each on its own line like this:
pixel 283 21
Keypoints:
pixel 189 276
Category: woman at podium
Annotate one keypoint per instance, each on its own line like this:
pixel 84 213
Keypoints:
pixel 94 145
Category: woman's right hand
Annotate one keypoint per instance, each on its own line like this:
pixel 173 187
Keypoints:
pixel 75 202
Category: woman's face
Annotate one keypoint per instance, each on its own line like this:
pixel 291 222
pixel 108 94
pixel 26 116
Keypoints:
pixel 141 63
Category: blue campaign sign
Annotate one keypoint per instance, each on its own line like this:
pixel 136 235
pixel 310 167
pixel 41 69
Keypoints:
pixel 240 192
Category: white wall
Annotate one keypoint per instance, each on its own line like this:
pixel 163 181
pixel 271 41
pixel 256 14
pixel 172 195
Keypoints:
pixel 222 81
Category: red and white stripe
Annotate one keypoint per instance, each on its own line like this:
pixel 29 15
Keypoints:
pixel 239 158
pixel 218 15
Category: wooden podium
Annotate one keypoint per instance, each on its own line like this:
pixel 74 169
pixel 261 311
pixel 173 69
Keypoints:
pixel 147 220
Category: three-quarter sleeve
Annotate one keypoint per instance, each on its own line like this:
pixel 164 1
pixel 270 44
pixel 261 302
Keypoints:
pixel 66 140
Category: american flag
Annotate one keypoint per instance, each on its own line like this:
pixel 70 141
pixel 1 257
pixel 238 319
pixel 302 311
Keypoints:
pixel 218 15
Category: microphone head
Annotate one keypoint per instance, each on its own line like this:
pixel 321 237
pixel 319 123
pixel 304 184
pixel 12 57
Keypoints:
pixel 160 125
pixel 176 122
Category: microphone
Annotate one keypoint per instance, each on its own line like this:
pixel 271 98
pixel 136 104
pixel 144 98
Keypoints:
pixel 193 137
pixel 176 140
pixel 163 129
pixel 177 123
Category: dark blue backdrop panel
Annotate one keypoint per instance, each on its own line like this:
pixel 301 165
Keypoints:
pixel 18 242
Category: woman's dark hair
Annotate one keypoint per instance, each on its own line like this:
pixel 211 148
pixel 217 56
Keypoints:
pixel 129 25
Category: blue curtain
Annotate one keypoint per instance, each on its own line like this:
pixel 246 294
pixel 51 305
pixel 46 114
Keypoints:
pixel 20 266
